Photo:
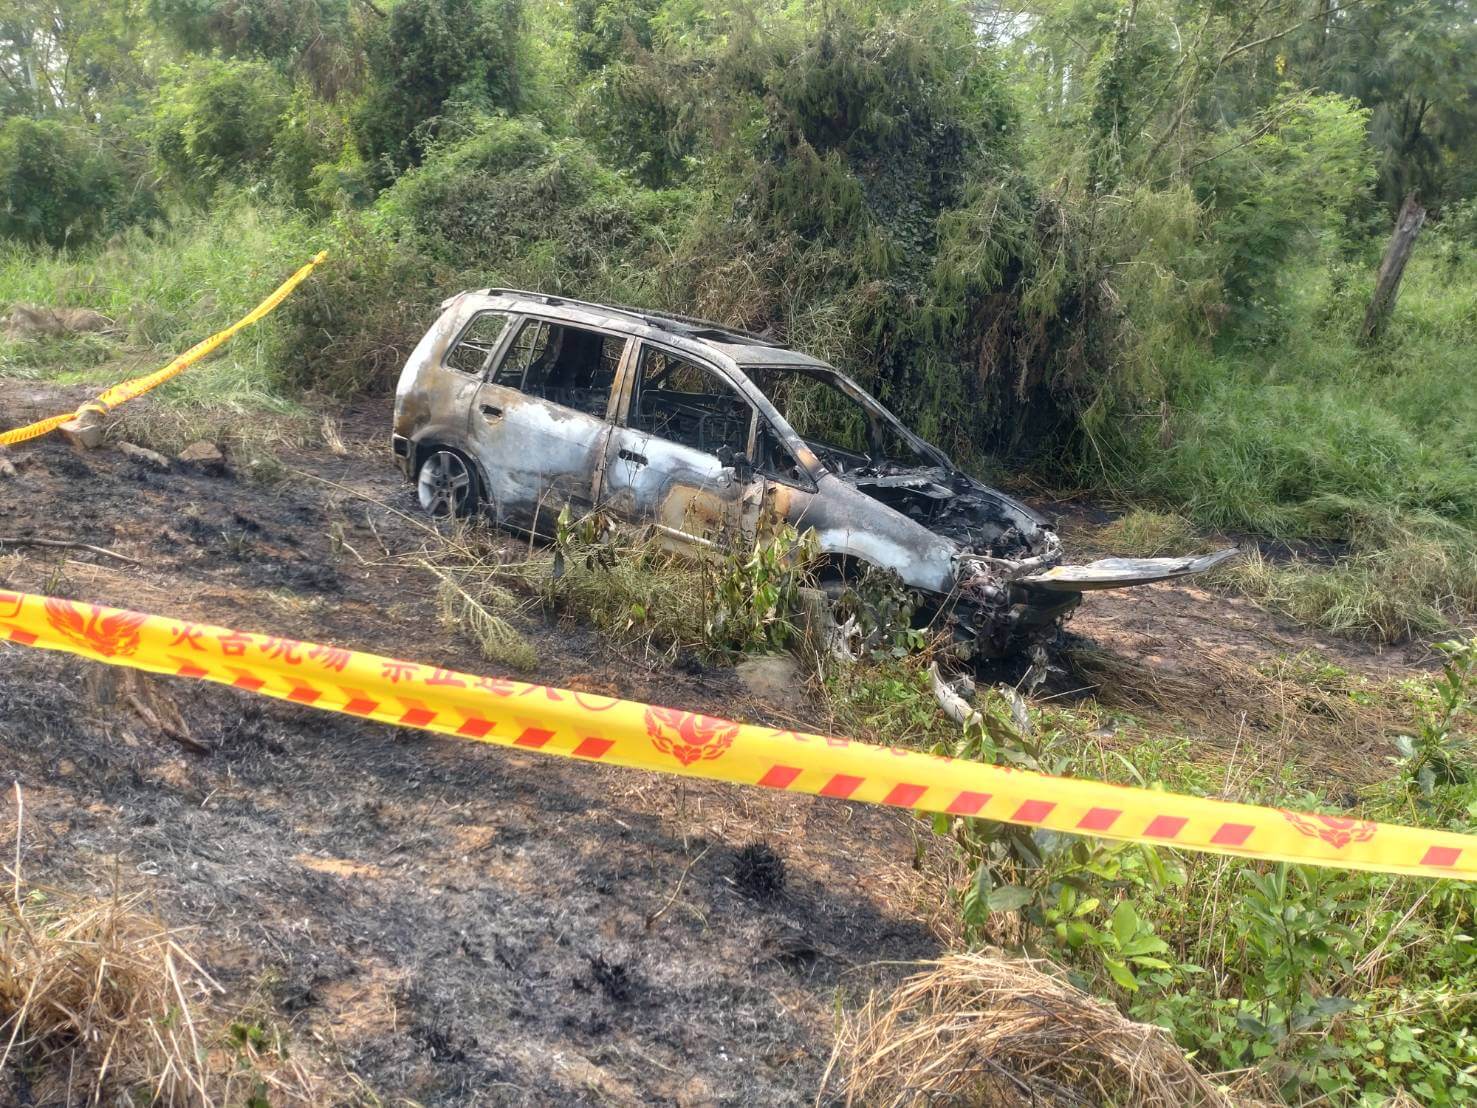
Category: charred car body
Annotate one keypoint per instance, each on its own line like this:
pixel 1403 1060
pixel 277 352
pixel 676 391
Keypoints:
pixel 520 405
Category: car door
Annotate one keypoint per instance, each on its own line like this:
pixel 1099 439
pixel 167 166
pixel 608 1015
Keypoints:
pixel 539 422
pixel 679 455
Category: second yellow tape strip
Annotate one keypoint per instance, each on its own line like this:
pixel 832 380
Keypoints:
pixel 128 390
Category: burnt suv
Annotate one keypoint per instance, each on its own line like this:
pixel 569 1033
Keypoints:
pixel 519 405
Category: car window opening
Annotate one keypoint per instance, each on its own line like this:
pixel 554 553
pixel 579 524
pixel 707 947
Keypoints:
pixel 873 454
pixel 474 351
pixel 775 459
pixel 564 365
pixel 686 403
pixel 845 434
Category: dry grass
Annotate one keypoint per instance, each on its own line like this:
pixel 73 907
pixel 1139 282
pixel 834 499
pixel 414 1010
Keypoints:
pixel 471 602
pixel 1288 706
pixel 333 437
pixel 1146 534
pixel 97 990
pixel 252 438
pixel 1413 585
pixel 100 1003
pixel 981 1028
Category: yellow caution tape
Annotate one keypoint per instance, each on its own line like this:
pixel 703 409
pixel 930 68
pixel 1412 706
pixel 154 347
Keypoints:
pixel 128 390
pixel 625 733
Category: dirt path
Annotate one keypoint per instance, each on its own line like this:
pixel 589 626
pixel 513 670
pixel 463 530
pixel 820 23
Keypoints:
pixel 460 924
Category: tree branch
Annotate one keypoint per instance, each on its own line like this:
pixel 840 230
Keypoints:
pixel 59 544
pixel 1324 15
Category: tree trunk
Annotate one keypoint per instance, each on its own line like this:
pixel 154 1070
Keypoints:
pixel 1392 267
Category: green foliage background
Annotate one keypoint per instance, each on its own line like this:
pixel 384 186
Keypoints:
pixel 1117 245
pixel 1121 242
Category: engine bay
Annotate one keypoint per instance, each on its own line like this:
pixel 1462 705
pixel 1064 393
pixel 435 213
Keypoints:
pixel 952 505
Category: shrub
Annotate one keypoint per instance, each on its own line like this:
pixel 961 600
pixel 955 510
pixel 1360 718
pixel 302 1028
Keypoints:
pixel 59 184
pixel 512 204
pixel 1299 171
pixel 218 120
pixel 350 329
pixel 429 53
pixel 605 29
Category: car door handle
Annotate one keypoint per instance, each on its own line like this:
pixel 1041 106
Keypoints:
pixel 491 411
pixel 632 457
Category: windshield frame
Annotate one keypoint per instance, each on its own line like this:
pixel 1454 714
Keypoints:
pixel 854 392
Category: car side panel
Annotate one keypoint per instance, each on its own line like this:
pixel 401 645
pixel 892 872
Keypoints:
pixel 690 496
pixel 538 456
pixel 851 524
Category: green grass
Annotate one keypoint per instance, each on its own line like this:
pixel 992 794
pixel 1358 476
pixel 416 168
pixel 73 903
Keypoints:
pixel 1320 986
pixel 1146 534
pixel 1313 437
pixel 166 289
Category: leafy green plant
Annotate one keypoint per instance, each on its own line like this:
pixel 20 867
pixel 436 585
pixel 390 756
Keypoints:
pixel 1439 753
pixel 1290 919
pixel 56 185
pixel 755 598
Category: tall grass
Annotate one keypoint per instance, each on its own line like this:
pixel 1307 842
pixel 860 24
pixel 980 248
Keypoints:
pixel 1308 435
pixel 166 288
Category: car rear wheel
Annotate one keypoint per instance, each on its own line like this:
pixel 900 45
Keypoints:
pixel 446 485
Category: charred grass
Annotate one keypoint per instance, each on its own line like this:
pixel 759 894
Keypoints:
pixel 100 999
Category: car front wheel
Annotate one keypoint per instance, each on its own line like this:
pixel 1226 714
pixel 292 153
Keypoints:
pixel 446 485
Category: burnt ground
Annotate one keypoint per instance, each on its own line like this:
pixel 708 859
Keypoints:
pixel 459 923
pixel 451 922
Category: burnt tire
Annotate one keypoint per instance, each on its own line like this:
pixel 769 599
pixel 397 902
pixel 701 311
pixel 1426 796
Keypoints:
pixel 446 484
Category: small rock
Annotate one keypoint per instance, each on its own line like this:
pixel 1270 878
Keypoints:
pixel 85 432
pixel 7 467
pixel 205 456
pixel 143 454
pixel 772 677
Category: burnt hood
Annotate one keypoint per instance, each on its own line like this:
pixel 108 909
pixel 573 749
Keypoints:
pixel 955 506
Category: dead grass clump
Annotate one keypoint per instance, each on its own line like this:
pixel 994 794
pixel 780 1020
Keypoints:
pixel 100 1003
pixel 1119 681
pixel 1418 587
pixel 981 1028
pixel 97 990
pixel 473 606
pixel 1145 534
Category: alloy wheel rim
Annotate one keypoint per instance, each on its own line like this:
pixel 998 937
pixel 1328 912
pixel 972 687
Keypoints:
pixel 443 484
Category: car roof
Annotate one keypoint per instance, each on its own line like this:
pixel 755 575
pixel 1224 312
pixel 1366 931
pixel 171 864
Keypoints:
pixel 742 347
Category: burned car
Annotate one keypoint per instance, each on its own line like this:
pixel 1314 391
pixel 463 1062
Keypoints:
pixel 520 405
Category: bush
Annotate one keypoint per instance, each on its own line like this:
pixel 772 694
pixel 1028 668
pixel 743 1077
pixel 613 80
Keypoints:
pixel 605 29
pixel 1298 172
pixel 285 29
pixel 882 220
pixel 350 329
pixel 513 205
pixel 59 184
pixel 219 120
pixel 430 53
